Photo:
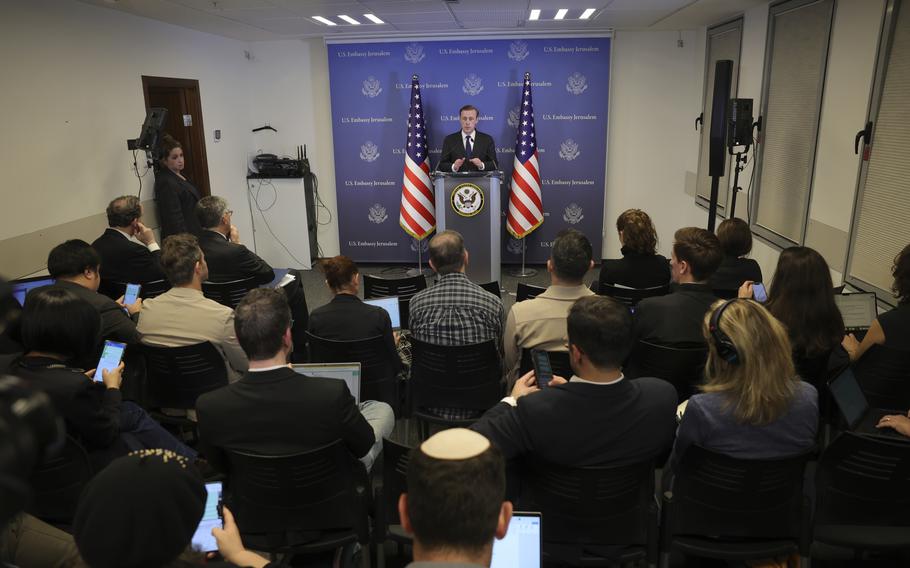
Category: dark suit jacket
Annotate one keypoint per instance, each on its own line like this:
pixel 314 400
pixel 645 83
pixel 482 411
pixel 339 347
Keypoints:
pixel 734 271
pixel 123 260
pixel 176 201
pixel 453 149
pixel 347 318
pixel 229 261
pixel 675 318
pixel 580 424
pixel 279 412
pixel 635 270
pixel 115 323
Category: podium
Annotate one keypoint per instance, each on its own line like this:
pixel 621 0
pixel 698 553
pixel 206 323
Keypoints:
pixel 469 203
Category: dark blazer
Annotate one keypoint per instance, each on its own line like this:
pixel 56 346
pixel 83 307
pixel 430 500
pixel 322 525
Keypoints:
pixel 279 412
pixel 123 260
pixel 733 271
pixel 453 149
pixel 580 424
pixel 347 318
pixel 635 270
pixel 675 318
pixel 90 411
pixel 176 201
pixel 230 261
pixel 115 323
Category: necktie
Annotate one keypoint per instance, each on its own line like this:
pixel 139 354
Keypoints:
pixel 467 147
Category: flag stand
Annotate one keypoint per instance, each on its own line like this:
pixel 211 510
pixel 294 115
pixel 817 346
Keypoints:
pixel 420 269
pixel 524 272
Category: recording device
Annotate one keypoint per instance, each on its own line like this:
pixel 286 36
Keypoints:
pixel 111 356
pixel 132 293
pixel 151 130
pixel 271 166
pixel 543 371
pixel 739 126
pixel 759 292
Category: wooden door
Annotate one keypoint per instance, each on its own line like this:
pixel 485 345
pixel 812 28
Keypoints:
pixel 184 122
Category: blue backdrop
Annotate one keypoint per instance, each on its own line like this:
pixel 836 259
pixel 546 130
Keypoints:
pixel 370 85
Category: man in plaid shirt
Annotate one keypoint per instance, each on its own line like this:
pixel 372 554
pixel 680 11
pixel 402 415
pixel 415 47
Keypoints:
pixel 454 311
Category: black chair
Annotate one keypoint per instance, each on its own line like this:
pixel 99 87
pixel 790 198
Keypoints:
pixel 299 504
pixel 726 293
pixel 404 288
pixel 862 487
pixel 884 375
pixel 492 288
pixel 395 458
pixel 631 296
pixel 58 482
pixel 559 361
pixel 464 377
pixel 681 366
pixel 736 509
pixel 594 516
pixel 229 293
pixel 378 372
pixel 114 289
pixel 528 292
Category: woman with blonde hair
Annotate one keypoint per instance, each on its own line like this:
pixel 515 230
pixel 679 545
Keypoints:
pixel 753 405
pixel 640 265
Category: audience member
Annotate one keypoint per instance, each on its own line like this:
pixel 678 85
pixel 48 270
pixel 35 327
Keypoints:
pixel 182 315
pixel 128 250
pixel 10 320
pixel 175 196
pixel 455 503
pixel 273 410
pixel 540 323
pixel 142 511
pixel 892 328
pixel 640 265
pixel 613 420
pixel 735 239
pixel 754 406
pixel 77 268
pixel 346 317
pixel 675 319
pixel 58 329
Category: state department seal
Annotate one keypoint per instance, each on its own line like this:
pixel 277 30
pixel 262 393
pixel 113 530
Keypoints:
pixel 467 199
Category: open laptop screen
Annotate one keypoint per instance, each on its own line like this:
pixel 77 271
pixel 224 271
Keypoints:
pixel 521 546
pixel 23 286
pixel 347 372
pixel 390 305
pixel 858 310
pixel 849 397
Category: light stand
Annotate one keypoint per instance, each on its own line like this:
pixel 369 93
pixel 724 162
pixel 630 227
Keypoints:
pixel 740 166
pixel 524 272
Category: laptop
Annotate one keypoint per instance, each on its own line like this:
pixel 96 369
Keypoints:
pixel 521 546
pixel 858 311
pixel 391 305
pixel 347 372
pixel 211 518
pixel 23 286
pixel 854 407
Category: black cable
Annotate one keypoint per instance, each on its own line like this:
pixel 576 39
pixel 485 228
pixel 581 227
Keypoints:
pixel 262 213
pixel 136 169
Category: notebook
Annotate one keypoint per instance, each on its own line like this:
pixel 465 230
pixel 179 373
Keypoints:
pixel 391 305
pixel 347 372
pixel 521 546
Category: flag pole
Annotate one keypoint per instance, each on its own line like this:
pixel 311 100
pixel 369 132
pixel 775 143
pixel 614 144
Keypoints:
pixel 521 218
pixel 524 272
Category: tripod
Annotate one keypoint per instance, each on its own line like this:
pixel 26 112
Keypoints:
pixel 740 166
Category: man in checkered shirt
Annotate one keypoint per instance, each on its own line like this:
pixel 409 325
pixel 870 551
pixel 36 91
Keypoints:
pixel 454 311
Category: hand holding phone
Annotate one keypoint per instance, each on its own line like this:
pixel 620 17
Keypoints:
pixel 759 292
pixel 111 356
pixel 543 371
pixel 132 293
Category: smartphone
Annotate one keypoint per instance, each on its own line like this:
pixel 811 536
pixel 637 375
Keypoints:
pixel 132 292
pixel 759 292
pixel 212 517
pixel 543 371
pixel 110 358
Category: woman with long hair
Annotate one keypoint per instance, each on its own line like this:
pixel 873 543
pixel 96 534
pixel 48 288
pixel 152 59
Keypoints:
pixel 175 196
pixel 640 265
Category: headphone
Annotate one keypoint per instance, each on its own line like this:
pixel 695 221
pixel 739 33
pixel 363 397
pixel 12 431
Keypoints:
pixel 725 347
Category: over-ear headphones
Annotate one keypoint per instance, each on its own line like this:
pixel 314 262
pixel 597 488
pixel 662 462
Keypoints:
pixel 725 347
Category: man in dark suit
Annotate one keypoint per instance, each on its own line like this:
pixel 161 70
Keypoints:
pixel 676 319
pixel 122 258
pixel 597 417
pixel 468 150
pixel 220 241
pixel 273 410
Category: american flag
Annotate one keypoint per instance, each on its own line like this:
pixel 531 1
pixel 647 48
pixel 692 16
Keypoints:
pixel 418 212
pixel 525 201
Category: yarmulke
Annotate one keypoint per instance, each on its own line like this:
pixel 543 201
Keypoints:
pixel 455 444
pixel 140 511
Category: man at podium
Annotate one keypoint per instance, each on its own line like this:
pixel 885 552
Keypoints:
pixel 468 150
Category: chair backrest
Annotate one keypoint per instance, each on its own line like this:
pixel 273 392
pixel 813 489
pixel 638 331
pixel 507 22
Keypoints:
pixel 463 376
pixel 863 481
pixel 726 293
pixel 492 288
pixel 176 376
pixel 404 288
pixel 229 293
pixel 377 370
pixel 395 458
pixel 884 375
pixel 57 484
pixel 322 489
pixel 114 289
pixel 631 296
pixel 559 361
pixel 717 495
pixel 682 367
pixel 528 292
pixel 604 505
